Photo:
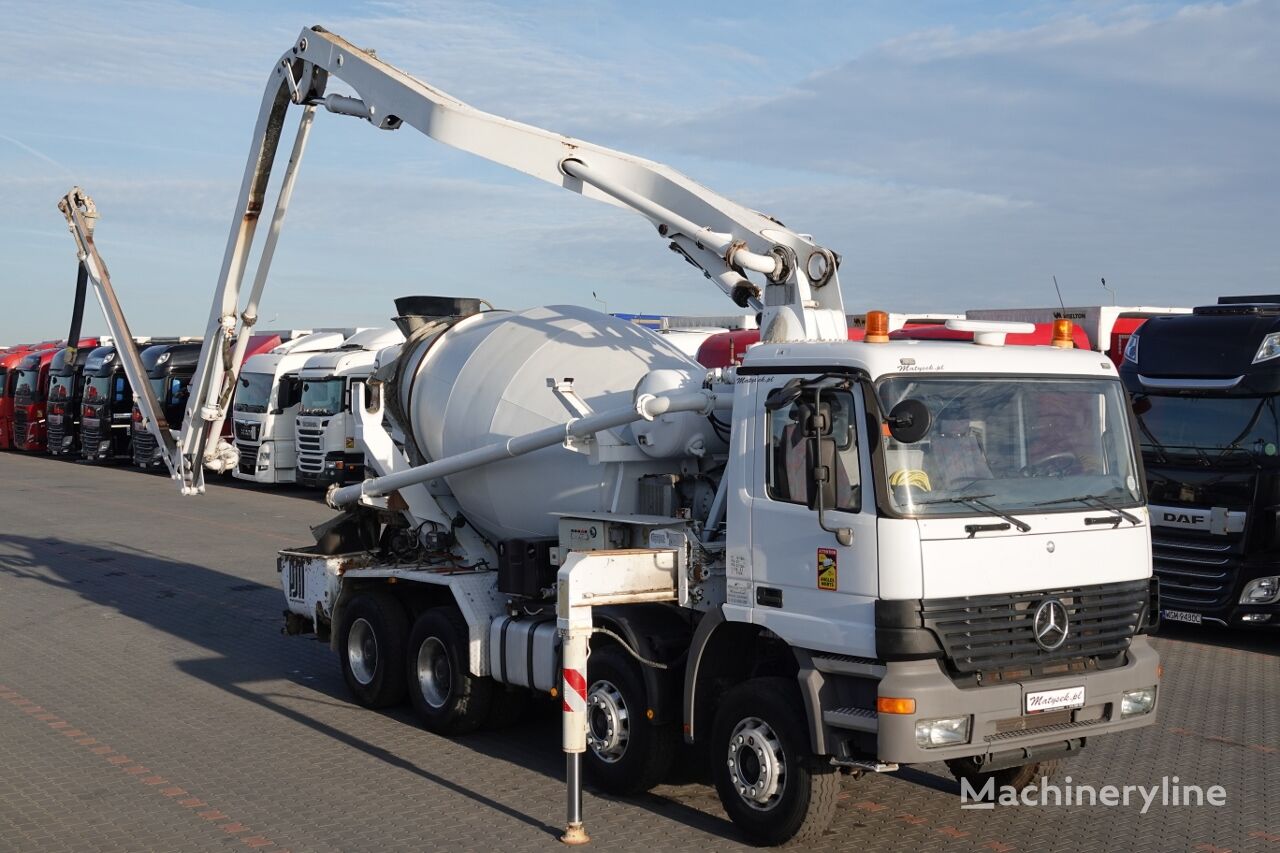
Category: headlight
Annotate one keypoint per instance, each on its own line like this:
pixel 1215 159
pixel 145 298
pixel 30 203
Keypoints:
pixel 1137 702
pixel 1269 349
pixel 1261 591
pixel 948 732
pixel 1131 349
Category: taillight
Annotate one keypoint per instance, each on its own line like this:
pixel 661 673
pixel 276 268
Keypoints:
pixel 86 412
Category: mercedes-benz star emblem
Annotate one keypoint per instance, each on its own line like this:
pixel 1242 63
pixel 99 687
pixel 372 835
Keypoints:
pixel 1050 624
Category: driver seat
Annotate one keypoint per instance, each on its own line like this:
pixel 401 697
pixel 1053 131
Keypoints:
pixel 956 455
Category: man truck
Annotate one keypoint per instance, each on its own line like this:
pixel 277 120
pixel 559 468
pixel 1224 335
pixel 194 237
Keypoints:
pixel 836 557
pixel 1205 389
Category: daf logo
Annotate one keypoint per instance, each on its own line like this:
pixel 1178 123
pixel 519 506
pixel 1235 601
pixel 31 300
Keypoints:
pixel 1050 624
pixel 1183 518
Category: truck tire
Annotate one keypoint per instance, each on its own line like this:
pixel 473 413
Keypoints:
pixel 447 698
pixel 773 789
pixel 1014 777
pixel 371 648
pixel 626 752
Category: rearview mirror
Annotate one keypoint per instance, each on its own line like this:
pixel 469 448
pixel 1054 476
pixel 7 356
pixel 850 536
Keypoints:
pixel 909 421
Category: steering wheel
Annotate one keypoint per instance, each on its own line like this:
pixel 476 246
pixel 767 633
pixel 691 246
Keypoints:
pixel 1053 465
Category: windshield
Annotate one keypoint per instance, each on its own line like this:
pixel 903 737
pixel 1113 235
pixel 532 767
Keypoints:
pixel 253 392
pixel 61 387
pixel 97 389
pixel 1215 426
pixel 157 388
pixel 321 397
pixel 25 387
pixel 1012 444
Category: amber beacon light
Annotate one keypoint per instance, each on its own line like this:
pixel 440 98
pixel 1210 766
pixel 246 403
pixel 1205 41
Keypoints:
pixel 877 327
pixel 1062 329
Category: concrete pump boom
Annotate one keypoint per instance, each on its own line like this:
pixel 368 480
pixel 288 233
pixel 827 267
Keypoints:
pixel 799 296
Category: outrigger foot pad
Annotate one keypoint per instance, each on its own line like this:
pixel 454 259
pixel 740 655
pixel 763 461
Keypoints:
pixel 574 834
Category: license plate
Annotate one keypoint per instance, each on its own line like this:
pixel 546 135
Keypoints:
pixel 1055 700
pixel 1182 616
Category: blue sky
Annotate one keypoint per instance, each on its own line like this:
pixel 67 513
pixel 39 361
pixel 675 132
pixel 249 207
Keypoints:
pixel 957 154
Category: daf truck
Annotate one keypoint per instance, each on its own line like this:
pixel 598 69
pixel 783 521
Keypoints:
pixel 836 558
pixel 66 373
pixel 1206 394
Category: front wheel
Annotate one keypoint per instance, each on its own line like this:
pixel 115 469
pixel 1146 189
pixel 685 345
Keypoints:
pixel 627 752
pixel 770 785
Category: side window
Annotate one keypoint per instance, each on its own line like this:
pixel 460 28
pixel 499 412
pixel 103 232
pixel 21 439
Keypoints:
pixel 117 393
pixel 289 393
pixel 794 452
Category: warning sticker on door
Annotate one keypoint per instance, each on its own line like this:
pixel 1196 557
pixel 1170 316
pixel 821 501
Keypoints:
pixel 827 568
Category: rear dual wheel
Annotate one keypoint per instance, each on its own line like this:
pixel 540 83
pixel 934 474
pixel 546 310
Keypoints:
pixel 371 648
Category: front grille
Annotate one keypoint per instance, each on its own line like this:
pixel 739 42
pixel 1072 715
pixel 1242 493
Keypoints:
pixel 89 438
pixel 248 457
pixel 994 633
pixel 55 434
pixel 144 447
pixel 246 431
pixel 20 427
pixel 310 450
pixel 1195 573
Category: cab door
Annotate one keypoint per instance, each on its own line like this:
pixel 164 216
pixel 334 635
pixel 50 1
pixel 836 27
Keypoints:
pixel 808 587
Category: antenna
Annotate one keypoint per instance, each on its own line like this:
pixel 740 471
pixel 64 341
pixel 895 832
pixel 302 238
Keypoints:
pixel 1061 304
pixel 1109 290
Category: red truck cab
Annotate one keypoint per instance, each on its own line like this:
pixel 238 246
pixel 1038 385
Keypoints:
pixel 9 361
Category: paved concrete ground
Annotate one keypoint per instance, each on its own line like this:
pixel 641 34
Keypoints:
pixel 149 701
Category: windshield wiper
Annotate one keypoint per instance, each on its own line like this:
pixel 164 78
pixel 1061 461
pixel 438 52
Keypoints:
pixel 976 502
pixel 1100 503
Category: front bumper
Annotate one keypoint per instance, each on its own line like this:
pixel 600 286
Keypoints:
pixel 340 468
pixel 997 722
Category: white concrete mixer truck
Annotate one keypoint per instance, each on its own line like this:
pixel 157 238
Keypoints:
pixel 835 558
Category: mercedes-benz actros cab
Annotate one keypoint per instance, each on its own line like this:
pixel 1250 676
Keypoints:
pixel 327 451
pixel 267 397
pixel 1206 394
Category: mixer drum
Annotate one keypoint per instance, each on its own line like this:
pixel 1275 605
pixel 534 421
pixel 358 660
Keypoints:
pixel 486 380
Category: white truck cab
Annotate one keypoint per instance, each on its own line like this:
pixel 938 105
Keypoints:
pixel 266 403
pixel 987 577
pixel 327 451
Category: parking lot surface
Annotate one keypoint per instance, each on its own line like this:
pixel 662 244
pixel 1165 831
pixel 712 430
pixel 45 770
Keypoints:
pixel 150 701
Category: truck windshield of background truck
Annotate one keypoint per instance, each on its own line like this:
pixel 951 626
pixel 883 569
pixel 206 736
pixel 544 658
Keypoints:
pixel 61 387
pixel 321 397
pixel 253 393
pixel 25 387
pixel 96 389
pixel 1218 426
pixel 1013 444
